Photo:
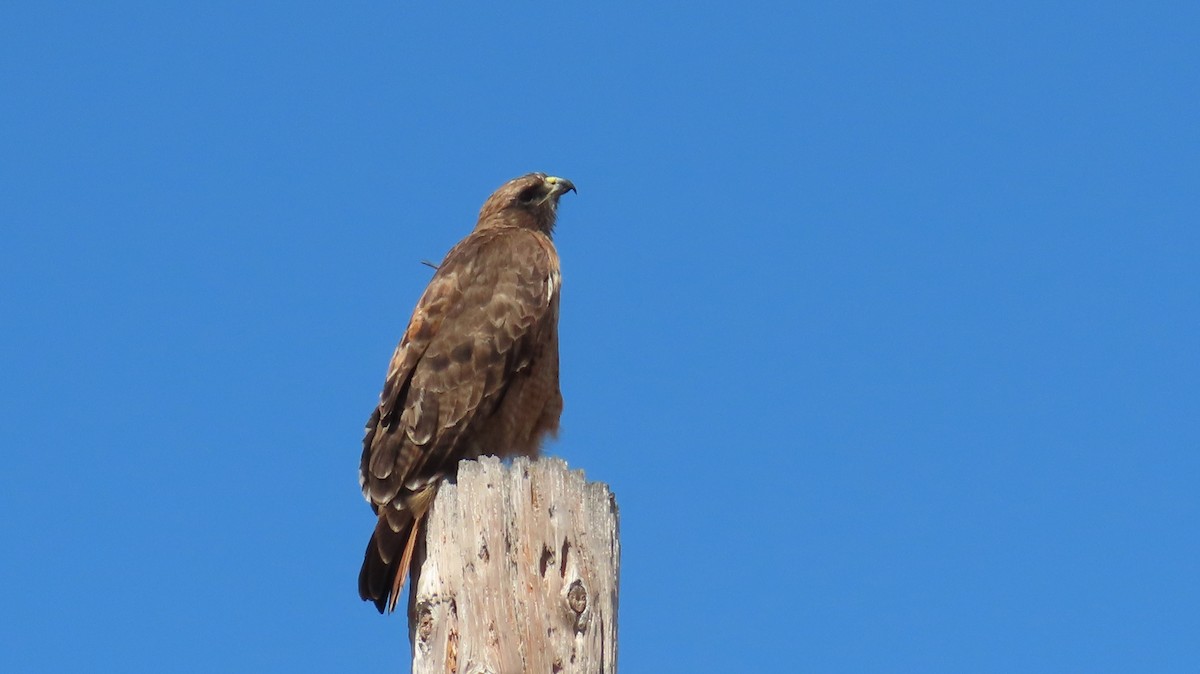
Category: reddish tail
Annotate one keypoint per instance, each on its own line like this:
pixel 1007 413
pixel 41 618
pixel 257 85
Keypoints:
pixel 386 561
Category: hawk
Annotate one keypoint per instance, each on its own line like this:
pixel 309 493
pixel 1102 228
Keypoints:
pixel 475 373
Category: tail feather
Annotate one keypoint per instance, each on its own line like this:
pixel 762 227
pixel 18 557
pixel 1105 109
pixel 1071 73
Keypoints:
pixel 402 568
pixel 390 550
pixel 385 562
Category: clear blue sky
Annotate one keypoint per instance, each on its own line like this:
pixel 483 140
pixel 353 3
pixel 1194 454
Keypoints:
pixel 881 320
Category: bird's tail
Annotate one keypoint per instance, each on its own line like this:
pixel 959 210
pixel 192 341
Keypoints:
pixel 389 552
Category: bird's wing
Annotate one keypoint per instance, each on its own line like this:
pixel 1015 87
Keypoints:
pixel 472 330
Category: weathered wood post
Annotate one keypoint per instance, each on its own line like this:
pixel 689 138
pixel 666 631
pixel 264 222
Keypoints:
pixel 519 575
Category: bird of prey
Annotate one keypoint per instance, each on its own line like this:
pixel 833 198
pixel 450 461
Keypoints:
pixel 475 373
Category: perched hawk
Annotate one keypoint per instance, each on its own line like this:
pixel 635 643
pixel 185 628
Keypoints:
pixel 475 373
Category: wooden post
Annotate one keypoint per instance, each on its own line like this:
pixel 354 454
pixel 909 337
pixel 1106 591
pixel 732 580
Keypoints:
pixel 519 574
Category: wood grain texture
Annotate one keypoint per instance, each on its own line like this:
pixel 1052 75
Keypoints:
pixel 519 573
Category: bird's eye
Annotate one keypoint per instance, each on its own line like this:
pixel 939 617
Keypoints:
pixel 529 195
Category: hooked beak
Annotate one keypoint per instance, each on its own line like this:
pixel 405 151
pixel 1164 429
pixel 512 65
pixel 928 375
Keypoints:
pixel 560 186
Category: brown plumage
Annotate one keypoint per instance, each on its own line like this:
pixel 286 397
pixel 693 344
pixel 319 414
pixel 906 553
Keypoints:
pixel 475 373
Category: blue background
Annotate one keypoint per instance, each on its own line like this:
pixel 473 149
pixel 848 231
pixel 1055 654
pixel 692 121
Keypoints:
pixel 880 319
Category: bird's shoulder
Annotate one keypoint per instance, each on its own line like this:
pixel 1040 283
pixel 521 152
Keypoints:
pixel 498 250
pixel 497 281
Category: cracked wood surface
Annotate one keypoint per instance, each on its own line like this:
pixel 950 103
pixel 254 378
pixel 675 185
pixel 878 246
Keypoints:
pixel 519 573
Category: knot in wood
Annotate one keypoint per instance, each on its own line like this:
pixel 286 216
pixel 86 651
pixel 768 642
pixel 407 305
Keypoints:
pixel 577 597
pixel 424 621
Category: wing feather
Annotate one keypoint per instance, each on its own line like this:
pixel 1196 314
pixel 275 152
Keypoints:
pixel 463 344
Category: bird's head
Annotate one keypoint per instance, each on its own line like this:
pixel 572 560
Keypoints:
pixel 530 201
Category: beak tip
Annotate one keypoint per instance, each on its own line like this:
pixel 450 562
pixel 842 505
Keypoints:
pixel 561 185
